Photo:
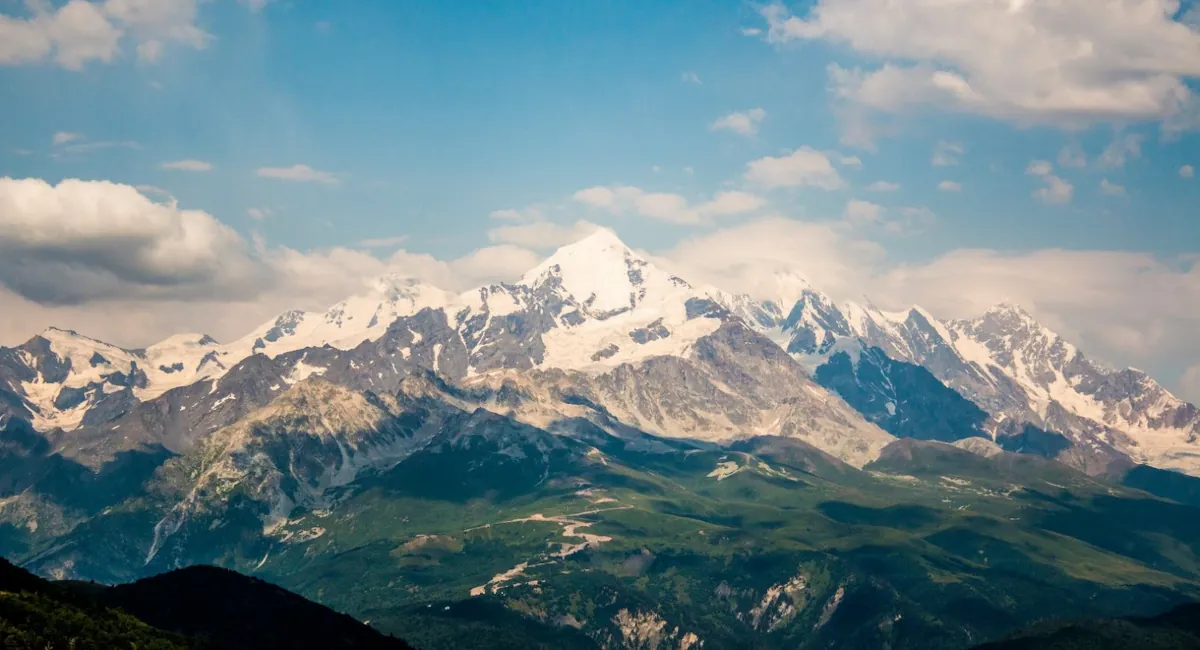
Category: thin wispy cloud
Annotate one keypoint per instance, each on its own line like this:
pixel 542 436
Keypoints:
pixel 383 242
pixel 946 154
pixel 298 174
pixel 188 166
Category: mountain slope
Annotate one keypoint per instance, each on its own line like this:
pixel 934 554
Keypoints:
pixel 36 614
pixel 1178 629
pixel 235 612
pixel 201 608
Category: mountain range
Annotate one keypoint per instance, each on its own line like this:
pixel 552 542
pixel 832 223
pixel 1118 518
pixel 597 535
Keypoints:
pixel 602 454
pixel 597 313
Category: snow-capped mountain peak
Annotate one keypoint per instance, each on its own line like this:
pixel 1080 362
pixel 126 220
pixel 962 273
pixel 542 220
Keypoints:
pixel 602 275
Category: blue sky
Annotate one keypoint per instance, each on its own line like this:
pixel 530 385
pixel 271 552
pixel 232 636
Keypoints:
pixel 428 117
pixel 436 114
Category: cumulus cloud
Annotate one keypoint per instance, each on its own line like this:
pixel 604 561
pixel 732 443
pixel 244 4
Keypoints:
pixel 668 207
pixel 1056 191
pixel 741 122
pixel 863 212
pixel 258 214
pixel 949 186
pixel 188 165
pixel 80 31
pixel 1069 63
pixel 298 174
pixel 804 167
pixel 691 77
pixel 84 240
pixel 1187 171
pixel 883 186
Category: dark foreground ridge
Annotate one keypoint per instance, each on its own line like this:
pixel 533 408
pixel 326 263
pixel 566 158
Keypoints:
pixel 200 608
pixel 1178 629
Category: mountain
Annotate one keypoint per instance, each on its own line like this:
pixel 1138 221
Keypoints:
pixel 204 608
pixel 1177 629
pixel 227 610
pixel 623 331
pixel 1019 372
pixel 603 455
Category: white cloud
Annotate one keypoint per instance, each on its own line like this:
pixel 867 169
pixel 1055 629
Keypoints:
pixel 258 214
pixel 689 171
pixel 63 137
pixel 383 242
pixel 81 146
pixel 860 213
pixel 298 174
pixel 479 267
pixel 668 207
pixel 732 202
pixel 1056 191
pixel 1072 155
pixel 745 258
pixel 742 122
pixel 1186 171
pixel 1121 149
pixel 946 154
pixel 1111 189
pixel 751 31
pixel 804 167
pixel 1067 63
pixel 883 186
pixel 849 161
pixel 153 190
pixel 85 240
pixel 865 214
pixel 79 31
pixel 188 165
pixel 949 186
pixel 691 77
pixel 541 235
